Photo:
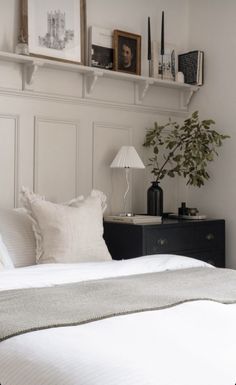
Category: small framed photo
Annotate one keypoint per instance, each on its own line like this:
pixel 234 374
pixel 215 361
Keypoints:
pixel 127 52
pixel 55 29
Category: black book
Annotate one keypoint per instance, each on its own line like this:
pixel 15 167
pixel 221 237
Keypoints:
pixel 191 64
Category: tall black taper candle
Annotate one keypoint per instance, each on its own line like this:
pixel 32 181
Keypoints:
pixel 149 46
pixel 162 35
pixel 149 40
pixel 162 43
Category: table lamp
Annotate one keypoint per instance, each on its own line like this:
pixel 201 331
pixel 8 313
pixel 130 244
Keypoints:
pixel 127 158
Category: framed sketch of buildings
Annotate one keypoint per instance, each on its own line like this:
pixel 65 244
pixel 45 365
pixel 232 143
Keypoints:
pixel 55 28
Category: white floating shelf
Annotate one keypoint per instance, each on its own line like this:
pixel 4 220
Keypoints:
pixel 31 64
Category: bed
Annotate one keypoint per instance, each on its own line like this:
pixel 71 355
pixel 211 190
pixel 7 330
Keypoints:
pixel 184 340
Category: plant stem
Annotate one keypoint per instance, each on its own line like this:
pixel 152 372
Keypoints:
pixel 168 158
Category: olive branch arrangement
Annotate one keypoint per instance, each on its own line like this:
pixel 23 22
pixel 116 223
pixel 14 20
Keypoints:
pixel 183 150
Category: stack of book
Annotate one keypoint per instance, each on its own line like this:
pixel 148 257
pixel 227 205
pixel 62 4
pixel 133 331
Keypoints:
pixel 192 66
pixel 135 219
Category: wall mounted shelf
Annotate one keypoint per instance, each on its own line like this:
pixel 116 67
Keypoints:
pixel 31 65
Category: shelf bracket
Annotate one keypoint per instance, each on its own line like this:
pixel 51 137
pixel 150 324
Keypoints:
pixel 185 98
pixel 29 72
pixel 91 81
pixel 141 88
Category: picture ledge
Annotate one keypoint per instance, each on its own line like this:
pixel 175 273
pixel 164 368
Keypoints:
pixel 92 74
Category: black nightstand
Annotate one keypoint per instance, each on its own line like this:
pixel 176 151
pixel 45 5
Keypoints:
pixel 204 240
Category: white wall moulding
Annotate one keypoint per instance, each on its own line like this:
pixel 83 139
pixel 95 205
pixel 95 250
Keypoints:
pixel 9 157
pixel 91 76
pixel 56 148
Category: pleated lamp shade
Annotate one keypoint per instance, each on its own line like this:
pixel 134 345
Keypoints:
pixel 127 157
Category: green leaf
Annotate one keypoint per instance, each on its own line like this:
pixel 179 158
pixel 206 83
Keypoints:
pixel 171 173
pixel 155 149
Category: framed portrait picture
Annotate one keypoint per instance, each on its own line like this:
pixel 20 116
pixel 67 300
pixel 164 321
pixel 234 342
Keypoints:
pixel 55 29
pixel 127 52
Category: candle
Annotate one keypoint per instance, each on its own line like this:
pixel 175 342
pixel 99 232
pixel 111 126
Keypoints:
pixel 162 34
pixel 149 40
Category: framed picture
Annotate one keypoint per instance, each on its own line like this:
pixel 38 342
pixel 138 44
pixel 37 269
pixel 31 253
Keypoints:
pixel 166 65
pixel 127 52
pixel 55 29
pixel 100 47
pixel 163 67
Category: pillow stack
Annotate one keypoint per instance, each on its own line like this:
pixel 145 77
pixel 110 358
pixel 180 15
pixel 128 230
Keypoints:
pixel 70 232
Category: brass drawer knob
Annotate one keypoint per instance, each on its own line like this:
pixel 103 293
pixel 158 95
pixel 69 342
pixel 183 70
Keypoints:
pixel 210 237
pixel 162 242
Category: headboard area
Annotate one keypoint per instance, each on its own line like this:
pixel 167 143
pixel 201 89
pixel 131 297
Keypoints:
pixel 59 141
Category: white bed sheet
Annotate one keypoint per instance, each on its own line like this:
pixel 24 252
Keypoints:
pixel 189 344
pixel 54 274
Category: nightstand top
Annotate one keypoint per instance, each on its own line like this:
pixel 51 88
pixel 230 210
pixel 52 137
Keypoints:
pixel 168 222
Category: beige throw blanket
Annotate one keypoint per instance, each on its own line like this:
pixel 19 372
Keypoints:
pixel 26 310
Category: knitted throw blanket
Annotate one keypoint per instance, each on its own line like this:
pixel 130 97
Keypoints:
pixel 27 310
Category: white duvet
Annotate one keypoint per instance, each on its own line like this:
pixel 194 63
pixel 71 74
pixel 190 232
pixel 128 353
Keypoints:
pixel 189 344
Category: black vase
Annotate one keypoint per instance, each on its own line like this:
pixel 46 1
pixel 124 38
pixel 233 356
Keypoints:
pixel 155 200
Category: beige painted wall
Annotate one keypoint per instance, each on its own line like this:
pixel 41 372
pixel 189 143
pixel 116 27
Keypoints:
pixel 212 29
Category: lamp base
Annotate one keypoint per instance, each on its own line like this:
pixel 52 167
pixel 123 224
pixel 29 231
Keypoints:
pixel 126 214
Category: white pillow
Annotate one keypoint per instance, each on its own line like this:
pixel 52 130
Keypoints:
pixel 5 260
pixel 18 236
pixel 66 234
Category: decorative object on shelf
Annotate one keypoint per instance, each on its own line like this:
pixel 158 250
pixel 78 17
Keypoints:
pixel 100 49
pixel 180 77
pixel 155 199
pixel 192 66
pixel 167 63
pixel 163 57
pixel 155 59
pixel 163 66
pixel 60 29
pixel 127 158
pixel 149 57
pixel 127 52
pixel 186 149
pixel 172 60
pixel 22 47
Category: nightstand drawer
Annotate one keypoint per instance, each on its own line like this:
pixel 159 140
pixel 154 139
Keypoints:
pixel 210 237
pixel 165 240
